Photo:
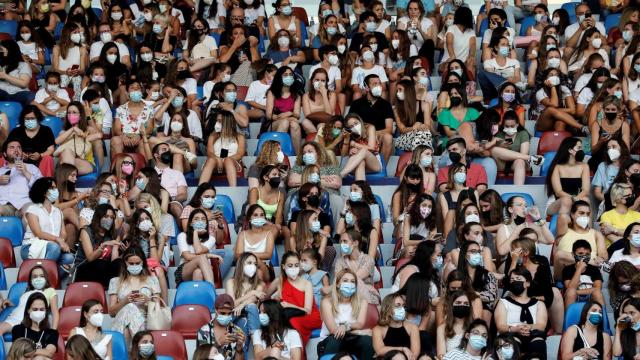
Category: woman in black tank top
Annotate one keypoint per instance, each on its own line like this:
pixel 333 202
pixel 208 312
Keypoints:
pixel 393 332
pixel 587 338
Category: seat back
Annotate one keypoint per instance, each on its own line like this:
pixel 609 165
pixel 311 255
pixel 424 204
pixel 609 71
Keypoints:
pixel 195 292
pixel 612 21
pixel 403 162
pixel 13 110
pixel 118 345
pixel 550 141
pixel 3 278
pixel 79 292
pixel 283 138
pixel 526 23
pixel 60 353
pixel 301 14
pixel 383 213
pixel 572 317
pixel 224 204
pixel 169 343
pixel 372 317
pixel 188 319
pixel 11 228
pixel 8 26
pixel 69 319
pixel 242 92
pixel 50 267
pixel 7 257
pixel 548 158
pixel 55 123
pixel 527 197
pixel 570 7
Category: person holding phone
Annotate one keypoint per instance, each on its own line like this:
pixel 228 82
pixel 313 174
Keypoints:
pixel 221 332
pixel 70 58
pixel 225 149
pixel 626 330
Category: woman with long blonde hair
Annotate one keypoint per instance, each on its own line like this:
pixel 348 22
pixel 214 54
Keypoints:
pixel 247 289
pixel 225 149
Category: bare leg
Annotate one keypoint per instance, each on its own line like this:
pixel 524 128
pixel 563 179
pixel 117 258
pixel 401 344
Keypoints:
pixel 84 167
pixel 570 296
pixel 557 311
pixel 296 134
pixel 562 206
pixel 231 171
pixel 255 114
pixel 519 172
pixel 201 263
pixel 177 162
pixel 98 152
pixel 386 140
pixel 308 126
pixel 117 146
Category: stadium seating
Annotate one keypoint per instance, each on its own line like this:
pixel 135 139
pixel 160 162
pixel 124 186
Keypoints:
pixel 195 293
pixel 50 267
pixel 69 319
pixel 283 138
pixel 11 228
pixel 12 110
pixel 550 141
pixel 55 123
pixel 7 258
pixel 527 197
pixel 170 343
pixel 78 292
pixel 118 345
pixel 572 317
pixel 188 319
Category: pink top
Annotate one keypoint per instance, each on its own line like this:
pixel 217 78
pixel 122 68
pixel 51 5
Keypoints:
pixel 282 105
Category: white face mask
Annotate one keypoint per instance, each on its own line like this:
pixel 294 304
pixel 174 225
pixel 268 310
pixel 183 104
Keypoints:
pixel 111 58
pixel 280 157
pixel 176 126
pixel 395 43
pixel 582 221
pixel 96 319
pixel 25 36
pixel 292 272
pixel 400 96
pixel 116 16
pixel 250 270
pixel 218 127
pixel 357 129
pixel 614 154
pixel 105 37
pixel 37 316
pixel 342 48
pixel 596 43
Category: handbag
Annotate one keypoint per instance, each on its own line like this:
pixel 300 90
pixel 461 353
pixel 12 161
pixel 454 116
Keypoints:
pixel 158 315
pixel 78 145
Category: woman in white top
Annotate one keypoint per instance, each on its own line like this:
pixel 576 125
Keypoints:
pixel 201 48
pixel 225 149
pixel 591 43
pixel 195 247
pixel 275 338
pixel 631 250
pixel 31 47
pixel 499 69
pixel 420 29
pixel 283 18
pixel 344 313
pixel 91 319
pixel 69 58
pixel 45 235
pixel 457 316
pixel 132 122
pixel 214 12
pixel 555 104
pixel 257 236
pixel 460 41
pixel 257 93
pixel 254 13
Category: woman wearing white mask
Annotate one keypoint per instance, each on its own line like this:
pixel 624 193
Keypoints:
pixel 35 326
pixel 32 48
pixel 257 237
pixel 591 42
pixel 195 245
pixel 318 103
pixel 38 283
pixel 420 29
pixel 393 331
pixel 225 149
pixel 469 228
pixel 324 32
pixel 361 143
pixel 460 41
pixel 413 115
pixel 607 122
pixel 130 293
pixel 549 55
pixel 283 18
pixel 161 37
pixel 344 315
pixel 247 289
pixel 91 319
pixel 423 156
pixel 132 123
pixel 119 20
pixel 577 227
pixel 616 154
pixel 70 58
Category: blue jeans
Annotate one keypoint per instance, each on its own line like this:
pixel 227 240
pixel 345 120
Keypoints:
pixel 249 323
pixel 227 257
pixel 53 253
pixel 490 83
pixel 490 168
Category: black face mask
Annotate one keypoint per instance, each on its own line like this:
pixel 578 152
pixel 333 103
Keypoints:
pixel 183 74
pixel 313 200
pixel 455 157
pixel 611 116
pixel 635 179
pixel 413 187
pixel 71 186
pixel 516 287
pixel 274 182
pixel 519 220
pixel 461 311
pixel 455 101
pixel 165 157
pixel 630 200
pixel 579 258
pixel 579 155
pixel 486 214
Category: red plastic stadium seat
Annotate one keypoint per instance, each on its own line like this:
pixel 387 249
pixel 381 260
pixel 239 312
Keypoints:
pixel 403 161
pixel 372 317
pixel 242 92
pixel 301 14
pixel 60 351
pixel 550 141
pixel 170 343
pixel 6 253
pixel 69 319
pixel 188 319
pixel 79 292
pixel 5 36
pixel 50 267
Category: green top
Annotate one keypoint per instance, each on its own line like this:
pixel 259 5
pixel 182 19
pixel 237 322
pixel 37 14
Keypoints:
pixel 446 118
pixel 521 137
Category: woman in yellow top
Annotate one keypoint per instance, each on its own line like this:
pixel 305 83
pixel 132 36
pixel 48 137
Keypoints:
pixel 76 139
pixel 579 227
pixel 615 221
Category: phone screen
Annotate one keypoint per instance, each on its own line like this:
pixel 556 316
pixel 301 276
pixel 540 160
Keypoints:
pixel 224 153
pixel 8 172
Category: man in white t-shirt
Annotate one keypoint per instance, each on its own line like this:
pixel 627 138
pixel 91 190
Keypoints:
pixel 573 33
pixel 104 30
pixel 330 62
pixel 51 98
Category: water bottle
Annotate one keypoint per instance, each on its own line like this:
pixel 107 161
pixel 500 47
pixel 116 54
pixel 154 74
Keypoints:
pixel 586 144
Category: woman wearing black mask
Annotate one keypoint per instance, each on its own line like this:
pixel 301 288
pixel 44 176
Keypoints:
pixel 568 178
pixel 457 317
pixel 609 123
pixel 410 187
pixel 268 195
pixel 521 215
pixel 522 316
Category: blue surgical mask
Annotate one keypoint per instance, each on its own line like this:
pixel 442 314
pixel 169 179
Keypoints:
pixel 635 240
pixel 595 317
pixel 371 26
pixel 31 124
pixel 264 319
pixel 135 96
pixel 199 225
pixel 287 80
pixel 52 195
pixel 286 10
pixel 157 28
pixel 230 96
pixel 460 177
pixel 134 269
pixel 426 161
pixel 95 108
pixel 348 218
pixel 507 352
pixel 504 51
pixel 347 289
pixel 258 222
pixel 38 283
pixel 636 326
pixel 314 178
pixel 475 259
pixel 477 342
pixel 399 314
pixel 636 67
pixel 208 202
pixel 346 249
pixel 102 201
pixel 146 350
pixel 618 94
pixel 177 101
pixel 315 227
pixel 309 158
pixel 355 196
pixel 223 320
pixel 439 263
pixel 140 184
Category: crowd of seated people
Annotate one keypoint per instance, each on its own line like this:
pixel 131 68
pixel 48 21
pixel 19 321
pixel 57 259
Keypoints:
pixel 123 125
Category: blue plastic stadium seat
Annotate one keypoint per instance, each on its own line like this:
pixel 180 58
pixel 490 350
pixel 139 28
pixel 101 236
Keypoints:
pixel 315 333
pixel 15 292
pixel 553 224
pixel 11 228
pixel 216 37
pixel 118 345
pixel 162 357
pixel 195 292
pixel 383 213
pixel 173 240
pixel 55 123
pixel 283 138
pixel 571 9
pixel 274 257
pixel 200 91
pixel 224 204
pixel 8 26
pixel 304 35
pixel 548 158
pixel 572 317
pixel 13 110
pixel 57 32
pixel 89 180
pixel 3 278
pixel 612 21
pixel 527 197
pixel 526 23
